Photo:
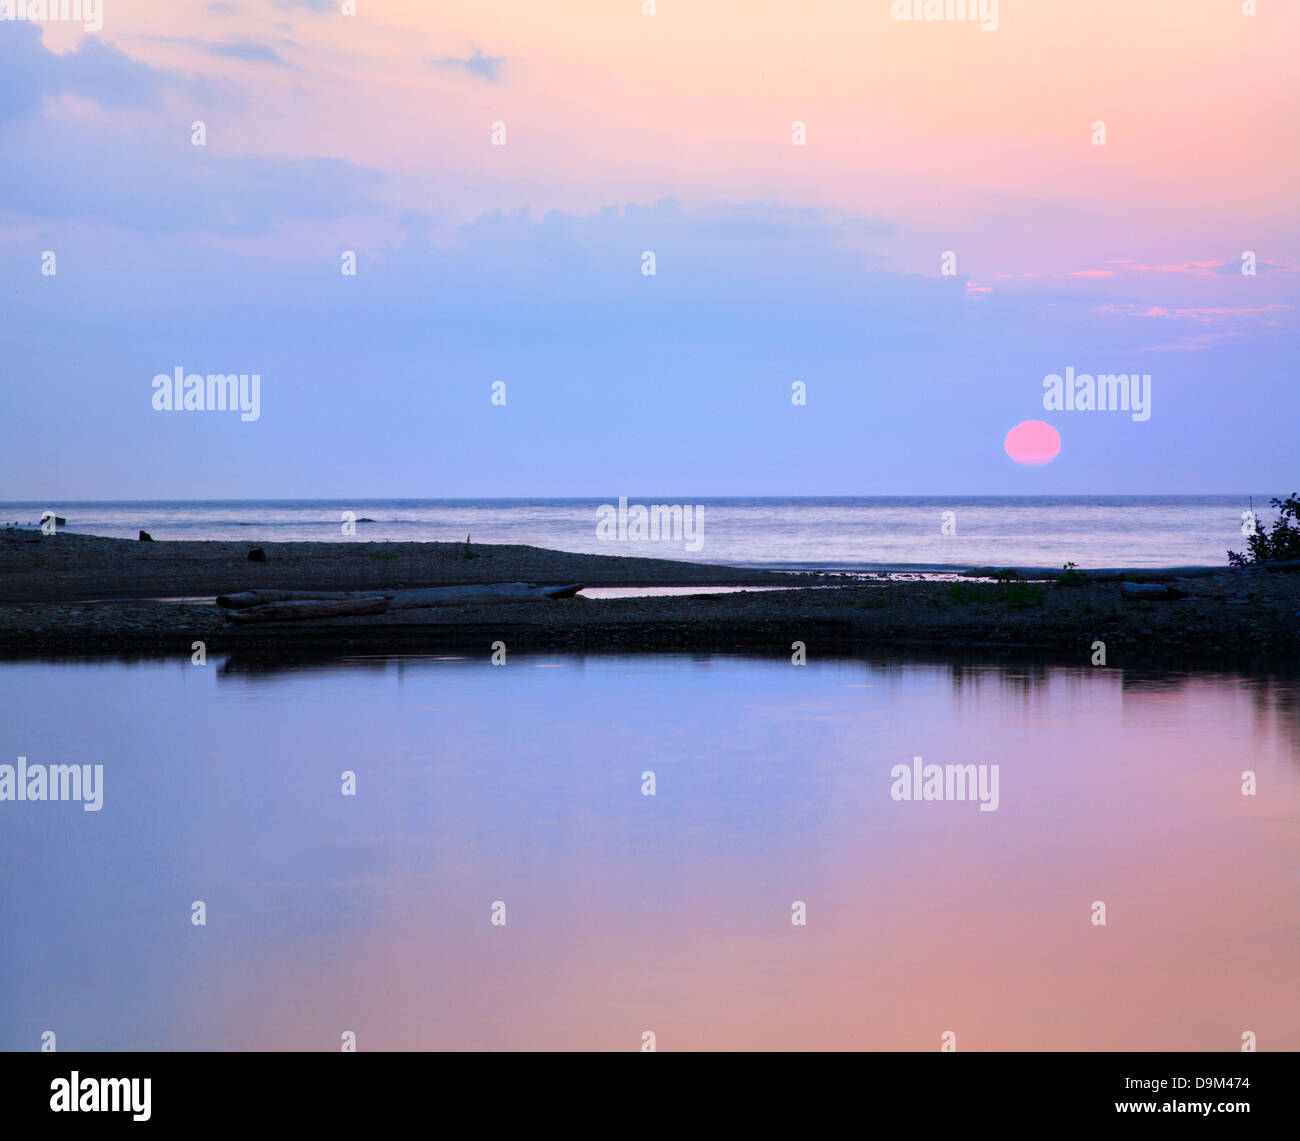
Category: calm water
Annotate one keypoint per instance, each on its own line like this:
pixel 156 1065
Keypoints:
pixel 843 534
pixel 626 913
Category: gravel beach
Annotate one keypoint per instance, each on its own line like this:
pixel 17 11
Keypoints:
pixel 73 595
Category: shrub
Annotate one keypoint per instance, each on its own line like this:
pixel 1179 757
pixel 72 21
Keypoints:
pixel 1021 595
pixel 1070 576
pixel 1282 543
pixel 1010 593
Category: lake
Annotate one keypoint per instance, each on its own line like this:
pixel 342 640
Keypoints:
pixel 827 533
pixel 500 880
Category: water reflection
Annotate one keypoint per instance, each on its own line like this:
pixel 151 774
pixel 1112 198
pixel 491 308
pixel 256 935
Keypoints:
pixel 522 784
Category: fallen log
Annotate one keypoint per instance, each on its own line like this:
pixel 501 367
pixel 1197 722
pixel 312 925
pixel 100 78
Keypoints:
pixel 242 600
pixel 412 599
pixel 296 611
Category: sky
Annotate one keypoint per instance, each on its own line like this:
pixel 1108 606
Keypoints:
pixel 916 221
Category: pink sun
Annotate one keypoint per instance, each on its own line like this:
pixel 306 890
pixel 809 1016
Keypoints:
pixel 1033 443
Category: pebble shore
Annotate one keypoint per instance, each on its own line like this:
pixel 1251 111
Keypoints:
pixel 75 595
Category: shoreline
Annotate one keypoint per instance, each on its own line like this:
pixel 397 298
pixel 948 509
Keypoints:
pixel 77 568
pixel 48 584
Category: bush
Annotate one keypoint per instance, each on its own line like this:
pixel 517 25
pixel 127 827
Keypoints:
pixel 1070 576
pixel 963 594
pixel 1282 543
pixel 1007 592
pixel 1022 595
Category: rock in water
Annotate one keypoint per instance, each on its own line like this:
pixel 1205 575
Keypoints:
pixel 257 555
pixel 145 537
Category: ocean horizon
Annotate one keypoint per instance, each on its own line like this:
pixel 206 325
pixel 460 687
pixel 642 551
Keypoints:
pixel 846 533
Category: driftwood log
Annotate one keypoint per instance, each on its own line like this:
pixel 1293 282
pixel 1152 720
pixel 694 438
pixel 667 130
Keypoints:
pixel 292 605
pixel 248 598
pixel 296 611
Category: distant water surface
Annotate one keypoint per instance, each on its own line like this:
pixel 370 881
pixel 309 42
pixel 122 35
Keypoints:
pixel 831 534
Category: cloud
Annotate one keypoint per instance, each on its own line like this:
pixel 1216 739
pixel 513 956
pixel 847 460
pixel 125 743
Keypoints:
pixel 246 50
pixel 1206 269
pixel 151 184
pixel 146 181
pixel 142 179
pixel 1193 268
pixel 1243 321
pixel 478 64
pixel 1205 313
pixel 417 221
pixel 1195 343
pixel 94 70
pixel 769 220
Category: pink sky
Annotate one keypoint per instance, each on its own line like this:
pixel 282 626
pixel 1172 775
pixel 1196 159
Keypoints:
pixel 964 139
pixel 373 133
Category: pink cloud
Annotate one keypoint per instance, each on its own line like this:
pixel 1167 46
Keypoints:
pixel 1196 341
pixel 1195 313
pixel 1194 268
